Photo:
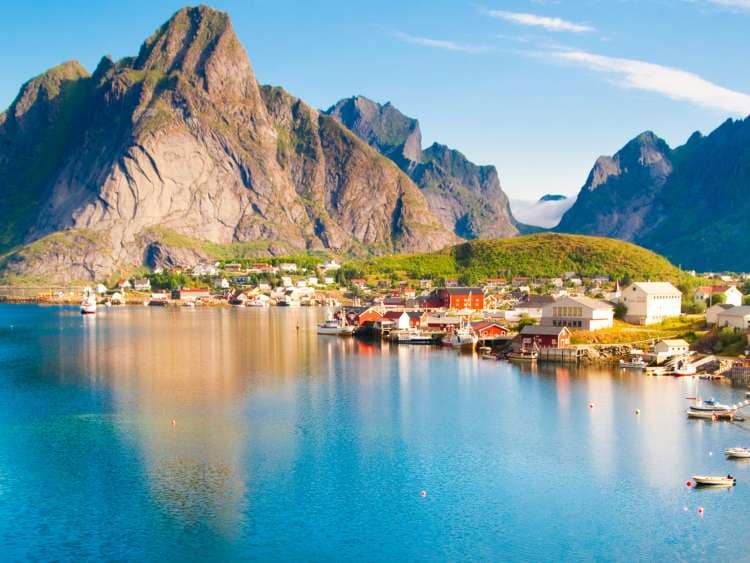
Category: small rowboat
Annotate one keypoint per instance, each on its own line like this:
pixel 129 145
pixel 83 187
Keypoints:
pixel 738 453
pixel 715 480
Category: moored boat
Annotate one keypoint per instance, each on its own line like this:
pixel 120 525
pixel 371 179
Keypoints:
pixel 334 327
pixel 88 305
pixel 523 355
pixel 463 338
pixel 715 480
pixel 683 368
pixel 737 453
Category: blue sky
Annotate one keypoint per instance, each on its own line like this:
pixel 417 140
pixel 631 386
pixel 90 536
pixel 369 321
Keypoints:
pixel 539 88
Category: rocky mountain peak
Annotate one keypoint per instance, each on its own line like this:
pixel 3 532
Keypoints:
pixel 200 43
pixel 382 126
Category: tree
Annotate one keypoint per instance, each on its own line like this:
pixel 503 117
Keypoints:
pixel 621 310
pixel 524 321
pixel 718 298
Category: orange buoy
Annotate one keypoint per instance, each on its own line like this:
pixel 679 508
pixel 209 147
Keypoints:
pixel 689 483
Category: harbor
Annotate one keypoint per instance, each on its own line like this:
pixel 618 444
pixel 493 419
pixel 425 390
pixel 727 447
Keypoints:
pixel 245 431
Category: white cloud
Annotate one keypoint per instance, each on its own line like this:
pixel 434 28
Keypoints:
pixel 742 4
pixel 439 43
pixel 671 82
pixel 550 24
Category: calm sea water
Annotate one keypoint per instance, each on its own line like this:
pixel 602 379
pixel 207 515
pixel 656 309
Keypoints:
pixel 289 446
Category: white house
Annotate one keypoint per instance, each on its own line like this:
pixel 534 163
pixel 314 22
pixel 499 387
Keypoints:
pixel 578 313
pixel 737 318
pixel 651 302
pixel 732 295
pixel 142 284
pixel 330 266
pixel 669 348
pixel 712 313
pixel 288 267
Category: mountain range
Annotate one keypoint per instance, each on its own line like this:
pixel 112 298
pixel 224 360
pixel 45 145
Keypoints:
pixel 691 203
pixel 467 199
pixel 178 154
pixel 100 172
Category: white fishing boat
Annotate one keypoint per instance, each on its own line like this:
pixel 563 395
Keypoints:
pixel 334 327
pixel 737 453
pixel 88 305
pixel 683 368
pixel 710 409
pixel 259 301
pixel 635 361
pixel 463 338
pixel 715 480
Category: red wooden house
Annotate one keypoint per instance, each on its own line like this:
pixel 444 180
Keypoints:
pixel 462 298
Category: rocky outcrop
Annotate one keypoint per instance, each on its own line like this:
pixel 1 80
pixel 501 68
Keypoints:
pixel 183 138
pixel 467 199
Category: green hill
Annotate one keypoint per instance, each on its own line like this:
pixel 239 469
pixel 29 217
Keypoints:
pixel 538 255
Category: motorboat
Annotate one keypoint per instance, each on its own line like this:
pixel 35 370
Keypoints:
pixel 334 327
pixel 737 453
pixel 463 338
pixel 714 480
pixel 411 336
pixel 523 355
pixel 88 305
pixel 710 409
pixel 634 362
pixel 258 302
pixel 683 368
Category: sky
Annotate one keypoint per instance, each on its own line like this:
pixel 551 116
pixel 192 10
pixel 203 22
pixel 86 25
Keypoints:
pixel 539 88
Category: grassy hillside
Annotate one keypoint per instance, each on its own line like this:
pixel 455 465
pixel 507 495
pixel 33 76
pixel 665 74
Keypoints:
pixel 539 255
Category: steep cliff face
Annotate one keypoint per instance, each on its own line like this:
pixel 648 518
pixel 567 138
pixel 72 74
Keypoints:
pixel 468 199
pixel 691 203
pixel 622 191
pixel 182 138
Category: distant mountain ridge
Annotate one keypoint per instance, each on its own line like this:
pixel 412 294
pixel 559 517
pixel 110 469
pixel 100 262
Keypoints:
pixel 691 204
pixel 467 198
pixel 97 170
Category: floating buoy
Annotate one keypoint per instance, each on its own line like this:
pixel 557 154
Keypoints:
pixel 423 493
pixel 174 422
pixel 591 405
pixel 710 453
pixel 637 411
pixel 689 484
pixel 700 510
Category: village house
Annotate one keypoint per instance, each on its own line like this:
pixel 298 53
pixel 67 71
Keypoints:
pixel 142 284
pixel 651 302
pixel 288 267
pixel 124 284
pixel 462 298
pixel 712 313
pixel 578 313
pixel 529 306
pixel 495 283
pixel 425 284
pixel 732 295
pixel 220 283
pixel 328 280
pixel 330 266
pixel 360 316
pixel 200 270
pixel 191 294
pixel 400 320
pixel 262 268
pixel 361 283
pixel 669 348
pixel 737 318
pixel 286 281
pixel 233 267
pixel 535 336
pixel 488 330
pixel 451 283
pixel 443 322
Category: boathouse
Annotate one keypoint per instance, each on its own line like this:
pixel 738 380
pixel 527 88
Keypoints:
pixel 535 336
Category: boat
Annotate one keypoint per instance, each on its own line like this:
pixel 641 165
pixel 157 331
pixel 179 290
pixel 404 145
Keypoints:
pixel 737 453
pixel 523 355
pixel 258 302
pixel 710 409
pixel 88 305
pixel 463 338
pixel 334 327
pixel 714 480
pixel 634 362
pixel 683 368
